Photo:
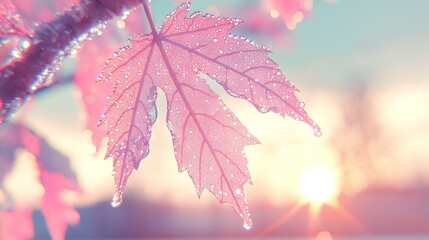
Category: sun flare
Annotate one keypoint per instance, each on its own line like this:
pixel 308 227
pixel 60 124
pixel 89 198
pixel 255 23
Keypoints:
pixel 318 185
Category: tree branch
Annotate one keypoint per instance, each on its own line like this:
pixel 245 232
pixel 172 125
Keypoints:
pixel 51 43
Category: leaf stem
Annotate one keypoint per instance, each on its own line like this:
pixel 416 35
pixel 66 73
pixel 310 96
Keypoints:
pixel 150 18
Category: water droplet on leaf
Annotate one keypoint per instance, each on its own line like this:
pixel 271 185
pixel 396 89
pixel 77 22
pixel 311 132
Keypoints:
pixel 263 110
pixel 116 201
pixel 317 132
pixel 247 226
pixel 153 114
pixel 170 125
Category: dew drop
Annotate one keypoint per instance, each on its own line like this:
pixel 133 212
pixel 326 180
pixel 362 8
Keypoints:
pixel 237 191
pixel 302 105
pixel 153 114
pixel 317 132
pixel 170 125
pixel 232 93
pixel 263 110
pixel 215 40
pixel 116 201
pixel 125 15
pixel 146 151
pixel 24 44
pixel 247 226
pixel 16 53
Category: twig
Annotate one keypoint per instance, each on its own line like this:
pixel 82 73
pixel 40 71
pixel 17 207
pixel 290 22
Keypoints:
pixel 51 43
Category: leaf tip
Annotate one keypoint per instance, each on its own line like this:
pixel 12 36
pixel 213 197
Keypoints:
pixel 117 199
pixel 235 21
pixel 317 131
pixel 247 221
pixel 186 6
pixel 247 225
pixel 199 191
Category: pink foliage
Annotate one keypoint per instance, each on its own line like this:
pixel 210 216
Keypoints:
pixel 16 223
pixel 58 212
pixel 90 62
pixel 9 142
pixel 264 22
pixel 89 65
pixel 291 11
pixel 208 139
pixel 55 176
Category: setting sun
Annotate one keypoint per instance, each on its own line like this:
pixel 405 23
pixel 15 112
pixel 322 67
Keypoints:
pixel 318 185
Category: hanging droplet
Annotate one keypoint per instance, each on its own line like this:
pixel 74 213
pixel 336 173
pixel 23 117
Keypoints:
pixel 153 114
pixel 247 226
pixel 302 105
pixel 317 132
pixel 116 201
pixel 125 15
pixel 170 125
pixel 263 110
pixel 16 53
pixel 24 44
pixel 146 151
pixel 232 93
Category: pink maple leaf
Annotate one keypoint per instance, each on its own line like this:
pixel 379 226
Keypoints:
pixel 208 139
pixel 90 62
